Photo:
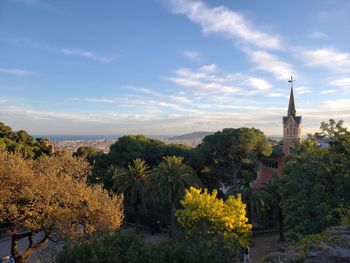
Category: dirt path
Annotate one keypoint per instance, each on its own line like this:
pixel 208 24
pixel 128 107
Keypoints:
pixel 263 245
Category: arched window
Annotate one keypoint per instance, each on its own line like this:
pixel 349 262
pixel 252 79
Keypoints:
pixel 287 131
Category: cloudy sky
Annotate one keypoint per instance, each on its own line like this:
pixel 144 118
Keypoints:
pixel 171 66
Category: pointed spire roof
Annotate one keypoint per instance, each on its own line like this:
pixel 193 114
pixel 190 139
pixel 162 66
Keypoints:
pixel 291 107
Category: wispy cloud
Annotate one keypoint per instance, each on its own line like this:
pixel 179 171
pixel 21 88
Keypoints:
pixel 258 83
pixel 317 35
pixel 327 91
pixel 87 55
pixel 203 80
pixel 192 56
pixel 142 90
pixel 16 72
pixel 265 61
pixel 341 82
pixel 303 90
pixel 327 57
pixel 94 100
pixel 224 21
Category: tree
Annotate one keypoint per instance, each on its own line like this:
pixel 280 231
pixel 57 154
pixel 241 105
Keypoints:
pixel 50 196
pixel 21 142
pixel 315 187
pixel 87 152
pixel 172 178
pixel 231 151
pixel 5 131
pixel 206 215
pixel 133 184
pixel 274 200
pixel 130 147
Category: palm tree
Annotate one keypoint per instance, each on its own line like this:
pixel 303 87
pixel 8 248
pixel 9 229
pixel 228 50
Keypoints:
pixel 271 188
pixel 257 201
pixel 133 184
pixel 173 177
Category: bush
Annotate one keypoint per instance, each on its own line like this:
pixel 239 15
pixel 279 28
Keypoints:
pixel 126 246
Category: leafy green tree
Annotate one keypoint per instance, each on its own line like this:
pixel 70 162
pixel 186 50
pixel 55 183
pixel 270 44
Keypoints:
pixel 130 147
pixel 87 152
pixel 315 188
pixel 21 142
pixel 273 198
pixel 172 178
pixel 133 184
pixel 229 152
pixel 5 131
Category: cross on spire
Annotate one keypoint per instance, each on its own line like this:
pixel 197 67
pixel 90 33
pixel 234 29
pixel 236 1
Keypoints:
pixel 291 81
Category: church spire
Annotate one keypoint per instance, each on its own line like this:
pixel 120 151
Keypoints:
pixel 291 107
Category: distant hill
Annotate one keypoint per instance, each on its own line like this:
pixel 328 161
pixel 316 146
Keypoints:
pixel 191 136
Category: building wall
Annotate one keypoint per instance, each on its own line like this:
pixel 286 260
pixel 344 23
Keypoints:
pixel 291 135
pixel 265 173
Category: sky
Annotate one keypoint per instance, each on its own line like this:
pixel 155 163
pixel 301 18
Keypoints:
pixel 172 66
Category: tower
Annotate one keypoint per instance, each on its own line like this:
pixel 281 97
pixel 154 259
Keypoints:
pixel 291 125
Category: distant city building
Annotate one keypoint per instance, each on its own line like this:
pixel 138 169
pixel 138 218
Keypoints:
pixel 54 150
pixel 274 164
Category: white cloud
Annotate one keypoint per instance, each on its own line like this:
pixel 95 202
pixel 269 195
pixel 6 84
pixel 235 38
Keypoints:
pixel 317 35
pixel 223 21
pixel 267 62
pixel 94 100
pixel 328 58
pixel 303 90
pixel 208 68
pixel 258 83
pixel 328 91
pixel 205 86
pixel 142 90
pixel 192 56
pixel 15 72
pixel 276 94
pixel 87 55
pixel 341 82
pixel 180 99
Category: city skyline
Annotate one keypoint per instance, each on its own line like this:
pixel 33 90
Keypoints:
pixel 171 66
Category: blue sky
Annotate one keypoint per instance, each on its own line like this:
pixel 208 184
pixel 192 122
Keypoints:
pixel 171 66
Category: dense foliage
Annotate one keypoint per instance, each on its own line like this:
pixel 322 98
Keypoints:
pixel 21 142
pixel 230 154
pixel 207 216
pixel 315 189
pixel 127 247
pixel 50 196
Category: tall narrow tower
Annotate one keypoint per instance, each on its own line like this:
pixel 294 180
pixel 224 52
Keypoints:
pixel 291 125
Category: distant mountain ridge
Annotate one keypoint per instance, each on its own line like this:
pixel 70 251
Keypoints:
pixel 192 135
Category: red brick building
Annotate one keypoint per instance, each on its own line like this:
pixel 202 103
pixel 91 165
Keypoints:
pixel 291 136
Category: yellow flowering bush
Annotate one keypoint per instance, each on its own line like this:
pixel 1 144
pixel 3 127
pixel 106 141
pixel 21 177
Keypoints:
pixel 211 216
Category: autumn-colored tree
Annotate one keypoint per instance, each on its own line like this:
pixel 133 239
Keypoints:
pixel 50 196
pixel 206 215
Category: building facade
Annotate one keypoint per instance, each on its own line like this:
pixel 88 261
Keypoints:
pixel 274 164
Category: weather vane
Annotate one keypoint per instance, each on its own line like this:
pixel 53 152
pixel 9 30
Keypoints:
pixel 292 80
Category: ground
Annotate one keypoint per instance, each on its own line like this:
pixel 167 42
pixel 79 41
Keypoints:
pixel 263 245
